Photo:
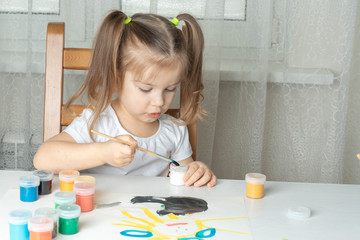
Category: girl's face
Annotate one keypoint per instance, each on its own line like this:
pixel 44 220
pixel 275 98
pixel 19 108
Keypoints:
pixel 143 100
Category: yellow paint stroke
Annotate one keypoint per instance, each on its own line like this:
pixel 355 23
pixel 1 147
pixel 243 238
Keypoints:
pixel 172 216
pixel 140 219
pixel 151 226
pixel 134 225
pixel 152 216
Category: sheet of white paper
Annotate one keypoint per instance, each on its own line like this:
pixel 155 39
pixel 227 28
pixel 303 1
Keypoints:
pixel 225 218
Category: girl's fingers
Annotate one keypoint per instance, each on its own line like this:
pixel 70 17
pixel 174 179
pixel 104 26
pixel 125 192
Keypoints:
pixel 129 140
pixel 192 169
pixel 206 177
pixel 195 176
pixel 212 182
pixel 198 175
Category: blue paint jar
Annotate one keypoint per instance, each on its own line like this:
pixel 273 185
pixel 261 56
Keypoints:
pixel 50 213
pixel 18 224
pixel 29 185
pixel 46 177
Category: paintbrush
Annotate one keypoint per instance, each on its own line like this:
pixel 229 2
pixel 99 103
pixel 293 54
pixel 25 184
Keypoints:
pixel 138 148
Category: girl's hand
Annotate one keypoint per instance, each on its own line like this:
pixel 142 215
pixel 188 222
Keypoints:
pixel 118 154
pixel 199 174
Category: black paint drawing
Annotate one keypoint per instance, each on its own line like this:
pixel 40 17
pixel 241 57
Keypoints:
pixel 175 205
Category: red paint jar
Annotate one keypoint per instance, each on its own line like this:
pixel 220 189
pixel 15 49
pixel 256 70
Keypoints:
pixel 85 195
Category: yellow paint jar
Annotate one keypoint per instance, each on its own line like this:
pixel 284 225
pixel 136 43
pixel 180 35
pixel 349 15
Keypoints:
pixel 67 178
pixel 85 178
pixel 255 185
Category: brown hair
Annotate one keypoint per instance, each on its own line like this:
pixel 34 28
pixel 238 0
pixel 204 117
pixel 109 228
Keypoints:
pixel 162 43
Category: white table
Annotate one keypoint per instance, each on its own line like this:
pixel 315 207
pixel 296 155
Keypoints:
pixel 335 208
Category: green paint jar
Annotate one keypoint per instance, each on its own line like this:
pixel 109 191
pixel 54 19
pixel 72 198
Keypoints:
pixel 69 218
pixel 64 197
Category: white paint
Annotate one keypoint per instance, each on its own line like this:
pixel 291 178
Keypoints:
pixel 177 174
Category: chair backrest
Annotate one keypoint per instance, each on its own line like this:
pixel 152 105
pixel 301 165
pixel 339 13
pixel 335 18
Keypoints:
pixel 59 58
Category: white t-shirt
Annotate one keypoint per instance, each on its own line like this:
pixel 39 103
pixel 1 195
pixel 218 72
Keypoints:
pixel 170 140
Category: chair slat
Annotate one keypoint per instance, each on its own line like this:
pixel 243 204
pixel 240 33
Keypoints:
pixel 53 79
pixel 68 115
pixel 77 58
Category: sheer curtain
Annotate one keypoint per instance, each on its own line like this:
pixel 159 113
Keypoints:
pixel 280 86
pixel 291 122
pixel 288 117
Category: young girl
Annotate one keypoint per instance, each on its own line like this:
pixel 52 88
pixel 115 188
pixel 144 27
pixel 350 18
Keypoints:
pixel 136 66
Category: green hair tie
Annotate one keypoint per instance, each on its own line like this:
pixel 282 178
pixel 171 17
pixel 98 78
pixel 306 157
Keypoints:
pixel 175 21
pixel 127 20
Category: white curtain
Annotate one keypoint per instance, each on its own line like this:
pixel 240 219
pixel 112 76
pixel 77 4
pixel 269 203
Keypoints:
pixel 288 117
pixel 280 86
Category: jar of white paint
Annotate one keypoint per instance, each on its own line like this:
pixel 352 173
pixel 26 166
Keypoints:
pixel 177 174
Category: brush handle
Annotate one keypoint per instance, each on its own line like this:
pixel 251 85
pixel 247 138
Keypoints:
pixel 129 144
pixel 112 138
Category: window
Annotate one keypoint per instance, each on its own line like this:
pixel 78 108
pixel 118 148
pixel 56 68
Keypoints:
pixel 234 9
pixel 20 32
pixel 37 7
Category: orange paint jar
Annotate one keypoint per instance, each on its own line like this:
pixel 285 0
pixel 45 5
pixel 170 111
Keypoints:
pixel 67 178
pixel 255 185
pixel 85 195
pixel 40 228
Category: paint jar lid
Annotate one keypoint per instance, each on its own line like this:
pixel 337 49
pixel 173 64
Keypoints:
pixel 299 212
pixel 64 197
pixel 44 175
pixel 255 178
pixel 40 224
pixel 47 212
pixel 69 211
pixel 84 188
pixel 181 168
pixel 68 175
pixel 29 181
pixel 19 216
pixel 85 178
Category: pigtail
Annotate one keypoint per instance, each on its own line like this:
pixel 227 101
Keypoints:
pixel 102 78
pixel 192 86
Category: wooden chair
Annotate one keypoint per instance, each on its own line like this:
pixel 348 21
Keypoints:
pixel 59 58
